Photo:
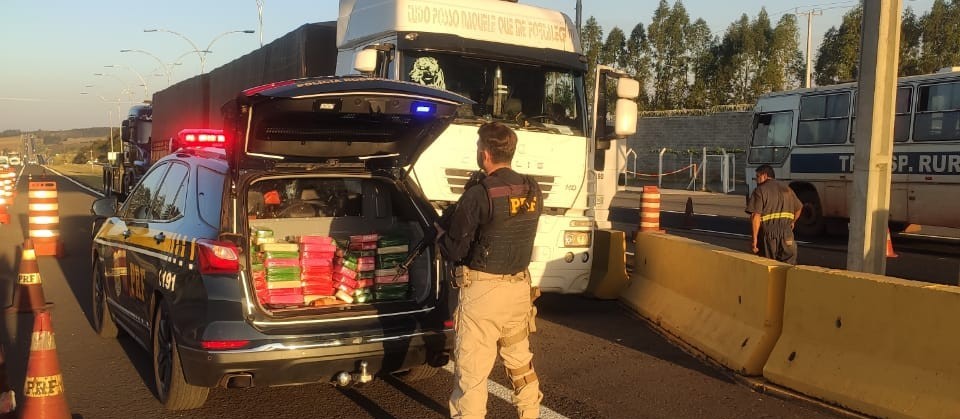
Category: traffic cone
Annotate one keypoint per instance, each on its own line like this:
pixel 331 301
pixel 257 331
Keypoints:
pixel 29 293
pixel 8 401
pixel 688 214
pixel 43 389
pixel 4 215
pixel 890 252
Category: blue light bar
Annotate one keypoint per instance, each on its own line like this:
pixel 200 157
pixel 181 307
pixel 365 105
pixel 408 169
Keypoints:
pixel 423 108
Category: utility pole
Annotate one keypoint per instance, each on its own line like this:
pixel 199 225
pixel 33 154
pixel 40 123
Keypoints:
pixel 873 151
pixel 810 14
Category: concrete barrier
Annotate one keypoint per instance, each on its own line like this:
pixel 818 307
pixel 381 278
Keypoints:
pixel 726 304
pixel 608 271
pixel 882 346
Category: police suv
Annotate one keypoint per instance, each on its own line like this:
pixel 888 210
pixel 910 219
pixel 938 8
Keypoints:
pixel 180 265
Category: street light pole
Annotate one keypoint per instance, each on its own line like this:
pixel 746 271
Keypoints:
pixel 166 70
pixel 260 18
pixel 200 53
pixel 146 94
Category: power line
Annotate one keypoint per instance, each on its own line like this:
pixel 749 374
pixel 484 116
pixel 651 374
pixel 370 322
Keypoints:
pixel 821 5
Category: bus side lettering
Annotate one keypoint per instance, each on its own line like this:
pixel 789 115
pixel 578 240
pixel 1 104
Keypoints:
pixel 943 163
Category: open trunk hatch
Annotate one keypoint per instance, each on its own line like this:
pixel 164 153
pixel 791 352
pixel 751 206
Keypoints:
pixel 345 119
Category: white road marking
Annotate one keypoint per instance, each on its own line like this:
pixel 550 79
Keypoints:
pixel 87 188
pixel 506 394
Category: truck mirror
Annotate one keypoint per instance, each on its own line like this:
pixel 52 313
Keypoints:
pixel 628 88
pixel 365 61
pixel 626 117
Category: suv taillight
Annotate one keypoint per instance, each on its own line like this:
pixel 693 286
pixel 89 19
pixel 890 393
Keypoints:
pixel 218 257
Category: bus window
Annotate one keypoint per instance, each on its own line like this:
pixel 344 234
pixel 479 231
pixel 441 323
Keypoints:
pixel 901 122
pixel 938 113
pixel 824 119
pixel 771 137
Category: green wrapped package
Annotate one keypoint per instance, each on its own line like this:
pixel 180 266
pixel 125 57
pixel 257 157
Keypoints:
pixel 261 232
pixel 365 298
pixel 280 247
pixel 256 266
pixel 281 255
pixel 391 291
pixel 390 260
pixel 391 240
pixel 283 273
pixel 349 264
pixel 351 256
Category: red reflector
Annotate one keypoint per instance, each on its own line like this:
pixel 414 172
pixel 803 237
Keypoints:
pixel 218 257
pixel 222 345
pixel 448 324
pixel 254 90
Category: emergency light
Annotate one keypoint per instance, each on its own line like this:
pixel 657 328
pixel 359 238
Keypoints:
pixel 422 108
pixel 201 137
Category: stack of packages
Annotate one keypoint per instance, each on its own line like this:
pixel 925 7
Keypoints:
pixel 316 269
pixel 282 265
pixel 391 252
pixel 353 269
pixel 259 237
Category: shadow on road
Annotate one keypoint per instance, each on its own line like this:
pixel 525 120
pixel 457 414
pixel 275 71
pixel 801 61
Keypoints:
pixel 611 321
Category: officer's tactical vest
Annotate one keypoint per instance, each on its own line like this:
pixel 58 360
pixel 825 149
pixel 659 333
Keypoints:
pixel 504 245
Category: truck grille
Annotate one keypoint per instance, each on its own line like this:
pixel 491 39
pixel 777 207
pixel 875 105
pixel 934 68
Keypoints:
pixel 456 178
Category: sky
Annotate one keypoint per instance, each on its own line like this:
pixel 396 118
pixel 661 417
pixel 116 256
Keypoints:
pixel 50 50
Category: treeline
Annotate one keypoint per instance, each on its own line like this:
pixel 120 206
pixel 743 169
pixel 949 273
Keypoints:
pixel 681 64
pixel 928 43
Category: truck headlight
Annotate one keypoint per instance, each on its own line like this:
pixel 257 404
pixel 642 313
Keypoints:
pixel 576 239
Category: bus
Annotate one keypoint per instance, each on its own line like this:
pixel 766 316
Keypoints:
pixel 807 135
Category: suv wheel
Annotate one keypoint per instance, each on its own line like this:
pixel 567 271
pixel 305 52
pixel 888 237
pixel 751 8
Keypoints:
pixel 172 389
pixel 420 372
pixel 102 322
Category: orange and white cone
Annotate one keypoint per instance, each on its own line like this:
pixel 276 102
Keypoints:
pixel 43 390
pixel 29 293
pixel 890 252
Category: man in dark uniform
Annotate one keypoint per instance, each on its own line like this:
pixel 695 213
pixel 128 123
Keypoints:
pixel 490 237
pixel 774 210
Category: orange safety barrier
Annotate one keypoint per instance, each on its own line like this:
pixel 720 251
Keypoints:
pixel 43 389
pixel 4 213
pixel 43 213
pixel 650 210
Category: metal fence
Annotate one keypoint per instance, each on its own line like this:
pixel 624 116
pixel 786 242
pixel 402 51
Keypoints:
pixel 711 170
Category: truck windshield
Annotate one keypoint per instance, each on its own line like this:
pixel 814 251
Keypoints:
pixel 525 96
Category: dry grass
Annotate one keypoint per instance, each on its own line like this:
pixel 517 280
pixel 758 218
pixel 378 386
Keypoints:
pixel 89 175
pixel 10 143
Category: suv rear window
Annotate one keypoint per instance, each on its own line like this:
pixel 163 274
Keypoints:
pixel 210 195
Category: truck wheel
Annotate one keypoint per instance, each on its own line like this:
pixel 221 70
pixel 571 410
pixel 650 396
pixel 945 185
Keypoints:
pixel 420 372
pixel 102 322
pixel 172 388
pixel 811 222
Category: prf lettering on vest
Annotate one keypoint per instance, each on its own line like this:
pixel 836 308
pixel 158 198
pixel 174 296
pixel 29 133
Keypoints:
pixel 515 204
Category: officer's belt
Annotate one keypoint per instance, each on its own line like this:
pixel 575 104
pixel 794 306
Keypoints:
pixel 777 215
pixel 474 275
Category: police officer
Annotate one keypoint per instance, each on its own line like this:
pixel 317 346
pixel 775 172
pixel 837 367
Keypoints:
pixel 490 237
pixel 773 209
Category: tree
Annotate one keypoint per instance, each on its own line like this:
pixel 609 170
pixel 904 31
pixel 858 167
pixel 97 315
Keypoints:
pixel 786 63
pixel 637 60
pixel 591 39
pixel 614 51
pixel 700 58
pixel 940 36
pixel 910 31
pixel 839 55
pixel 658 34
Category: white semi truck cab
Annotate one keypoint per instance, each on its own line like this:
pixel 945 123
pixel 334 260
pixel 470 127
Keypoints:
pixel 522 66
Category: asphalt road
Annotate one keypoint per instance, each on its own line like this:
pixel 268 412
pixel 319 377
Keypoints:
pixel 595 359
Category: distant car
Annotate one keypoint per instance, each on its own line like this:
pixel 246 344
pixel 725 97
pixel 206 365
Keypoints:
pixel 15 161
